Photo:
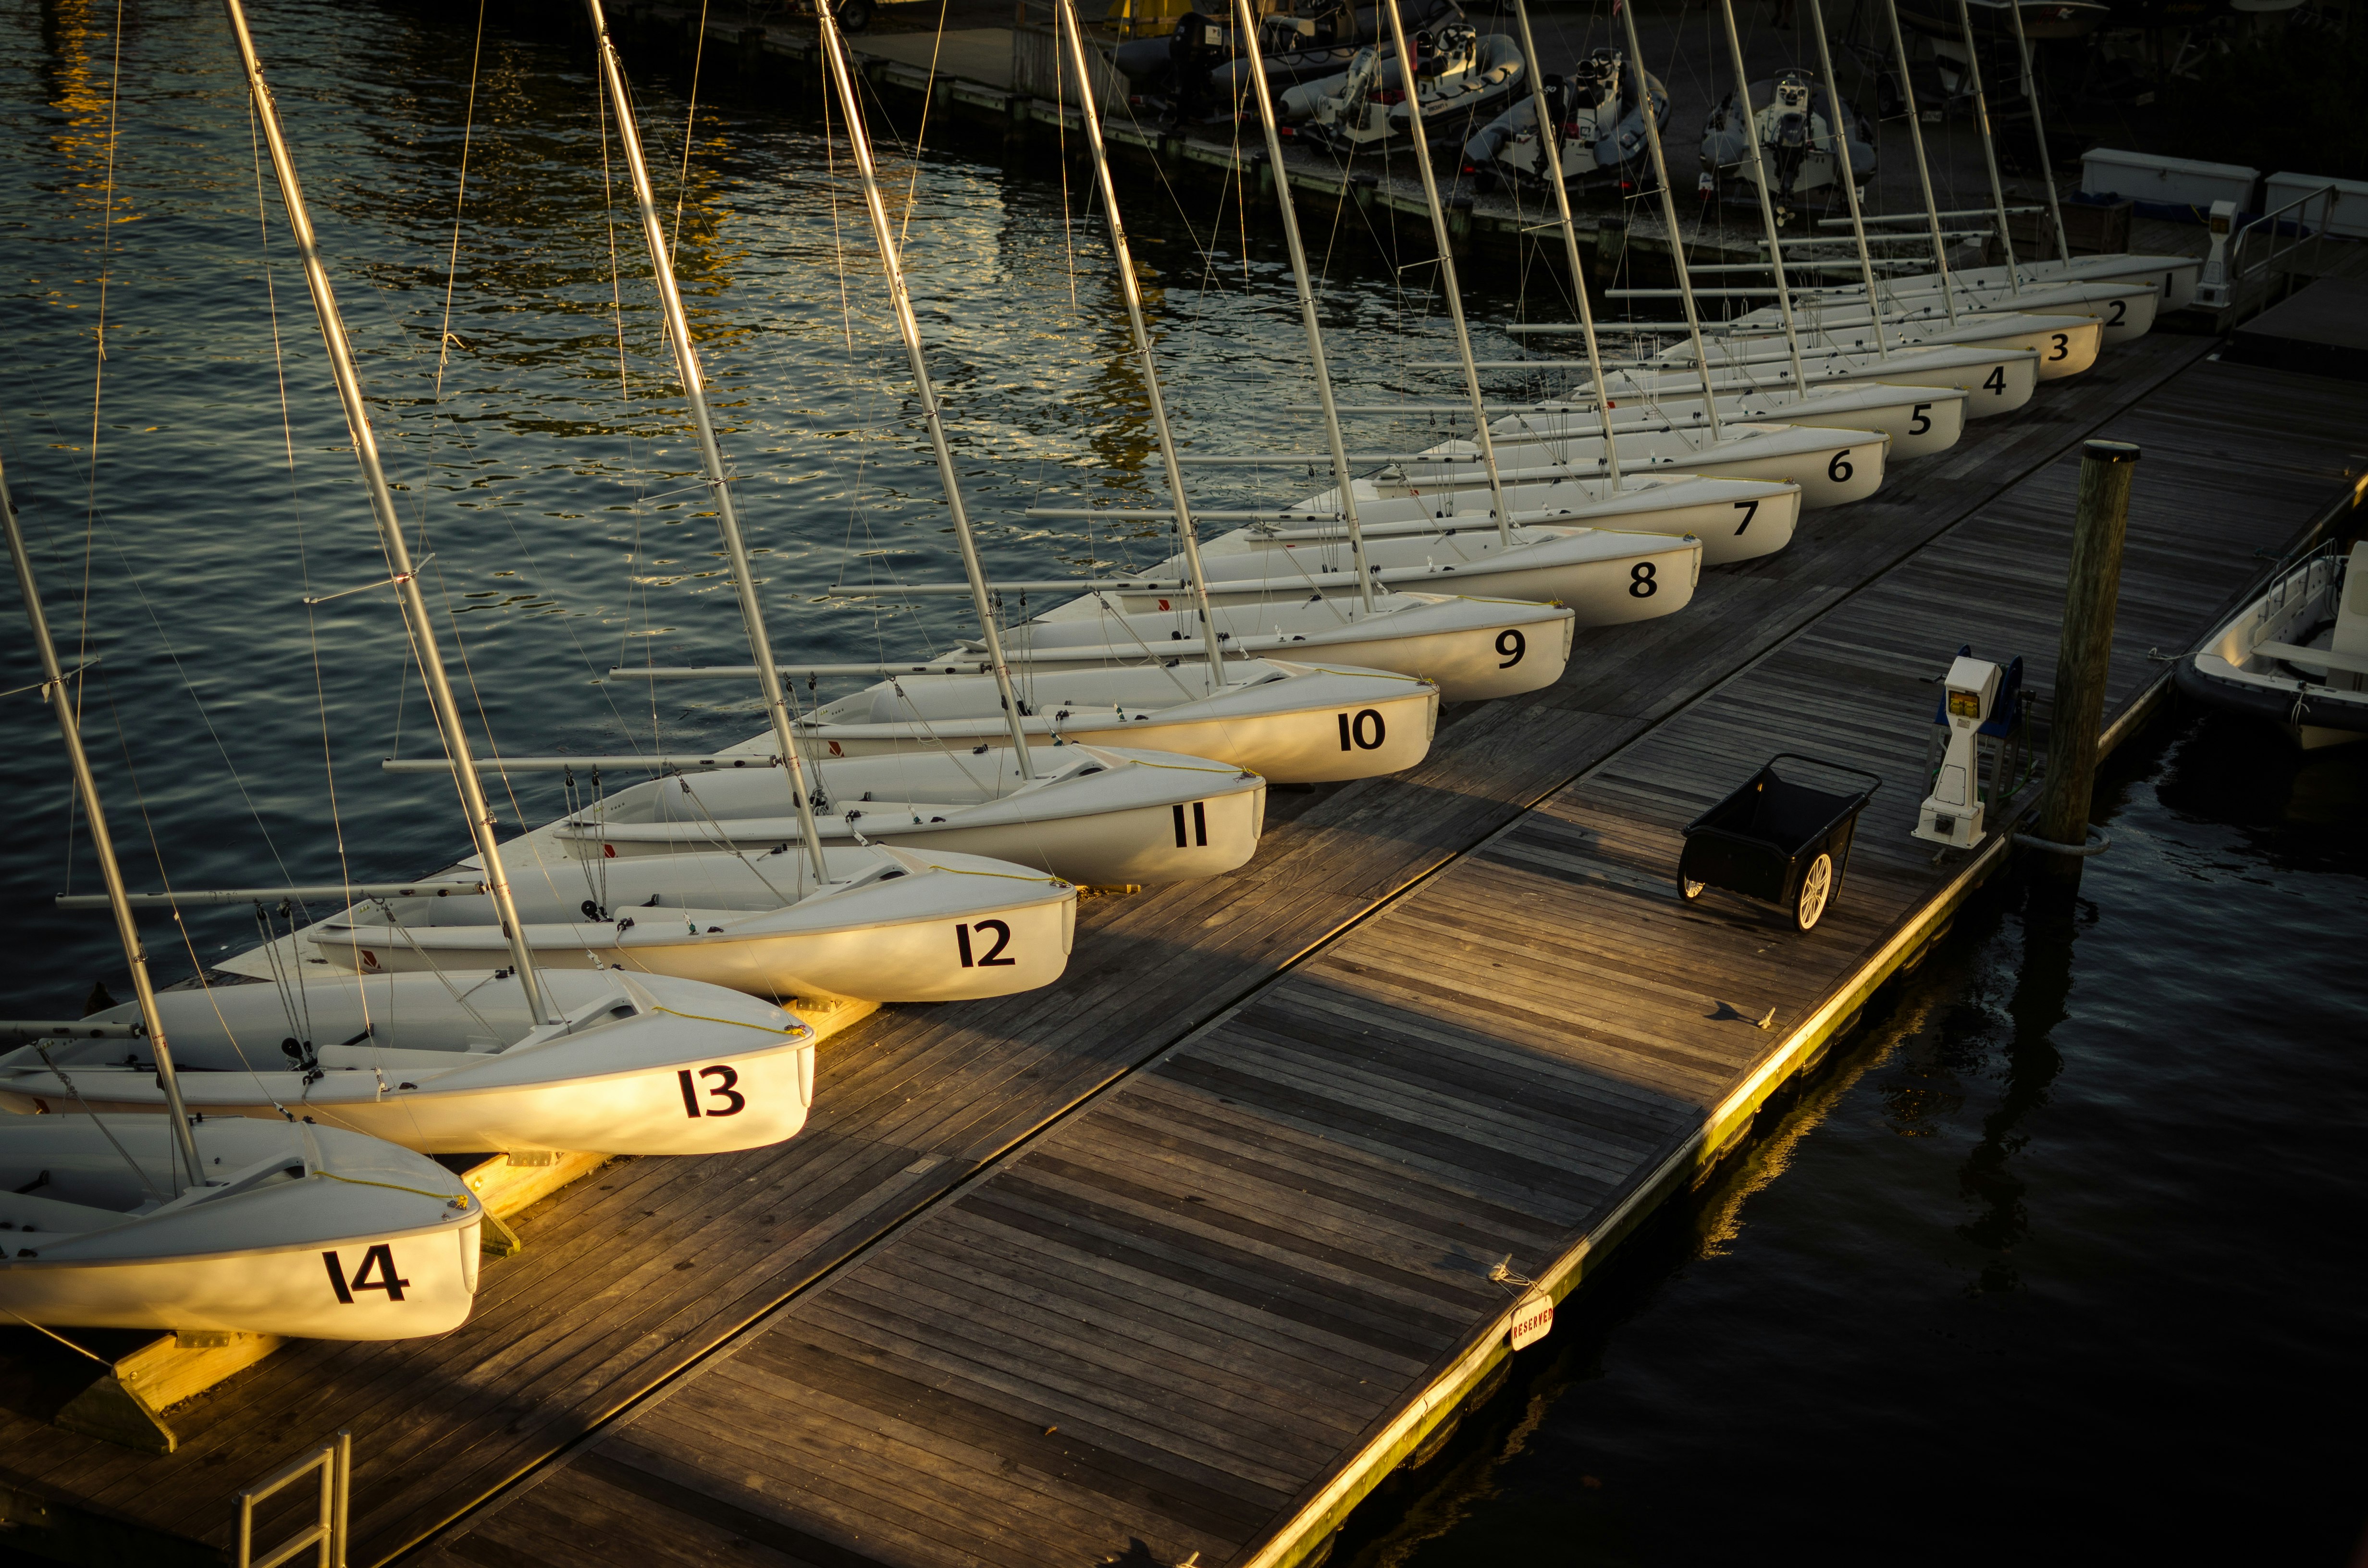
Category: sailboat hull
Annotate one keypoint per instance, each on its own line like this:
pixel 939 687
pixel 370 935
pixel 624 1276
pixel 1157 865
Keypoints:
pixel 945 929
pixel 286 1291
pixel 1347 723
pixel 353 1243
pixel 1473 650
pixel 1605 576
pixel 1163 818
pixel 619 1087
pixel 1833 468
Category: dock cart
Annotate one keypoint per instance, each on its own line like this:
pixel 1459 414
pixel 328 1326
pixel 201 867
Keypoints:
pixel 1780 841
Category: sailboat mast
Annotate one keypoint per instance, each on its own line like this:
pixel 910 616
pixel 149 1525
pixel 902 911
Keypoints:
pixel 1550 142
pixel 1759 180
pixel 860 142
pixel 389 526
pixel 1989 147
pixel 1676 240
pixel 710 453
pixel 1343 486
pixel 2038 128
pixel 1849 182
pixel 53 686
pixel 1923 169
pixel 1067 20
pixel 1447 283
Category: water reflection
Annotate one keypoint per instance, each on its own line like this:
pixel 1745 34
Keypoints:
pixel 538 453
pixel 2042 1000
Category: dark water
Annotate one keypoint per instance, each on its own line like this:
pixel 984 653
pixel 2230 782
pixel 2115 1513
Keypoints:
pixel 2062 1264
pixel 548 469
pixel 2059 1264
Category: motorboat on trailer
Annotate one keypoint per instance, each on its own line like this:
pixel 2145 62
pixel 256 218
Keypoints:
pixel 448 1061
pixel 289 1229
pixel 2297 657
pixel 1291 722
pixel 1597 114
pixel 1795 127
pixel 938 803
pixel 1459 76
pixel 1199 66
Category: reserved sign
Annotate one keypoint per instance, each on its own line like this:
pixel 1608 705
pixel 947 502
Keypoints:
pixel 1532 1319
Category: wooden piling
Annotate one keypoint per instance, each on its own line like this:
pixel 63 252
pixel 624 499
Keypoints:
pixel 2084 657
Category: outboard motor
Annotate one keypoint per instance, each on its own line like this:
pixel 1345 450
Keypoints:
pixel 1786 132
pixel 1199 45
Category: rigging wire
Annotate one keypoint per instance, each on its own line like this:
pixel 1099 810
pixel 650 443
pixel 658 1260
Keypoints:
pixel 459 197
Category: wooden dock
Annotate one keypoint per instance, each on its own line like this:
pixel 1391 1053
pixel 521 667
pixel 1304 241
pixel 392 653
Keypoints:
pixel 1186 1252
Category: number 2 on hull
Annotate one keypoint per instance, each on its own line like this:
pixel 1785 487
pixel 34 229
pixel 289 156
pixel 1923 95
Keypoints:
pixel 994 958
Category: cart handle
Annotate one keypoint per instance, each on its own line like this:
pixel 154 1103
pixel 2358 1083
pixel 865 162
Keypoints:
pixel 1821 762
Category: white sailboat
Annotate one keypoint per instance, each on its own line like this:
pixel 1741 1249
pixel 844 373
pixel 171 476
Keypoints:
pixel 450 1061
pixel 883 926
pixel 1734 519
pixel 589 1066
pixel 1277 717
pixel 164 1221
pixel 300 1230
pixel 1156 816
pixel 1473 647
pixel 1292 722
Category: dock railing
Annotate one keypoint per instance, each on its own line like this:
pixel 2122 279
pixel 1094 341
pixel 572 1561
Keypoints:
pixel 2241 271
pixel 333 1463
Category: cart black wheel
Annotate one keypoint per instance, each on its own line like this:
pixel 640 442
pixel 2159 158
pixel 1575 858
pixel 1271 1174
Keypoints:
pixel 1817 891
pixel 854 16
pixel 1692 890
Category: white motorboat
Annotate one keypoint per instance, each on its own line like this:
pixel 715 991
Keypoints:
pixel 1795 125
pixel 1735 519
pixel 301 1230
pixel 1294 723
pixel 1472 649
pixel 888 926
pixel 1460 77
pixel 1598 116
pixel 449 1061
pixel 2296 656
pixel 1128 829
